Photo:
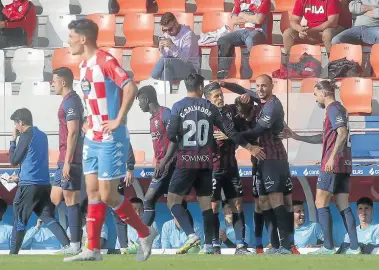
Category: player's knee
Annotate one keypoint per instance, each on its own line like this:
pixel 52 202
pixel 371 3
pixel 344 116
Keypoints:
pixel 173 199
pixel 288 203
pixel 264 203
pixel 276 199
pixel 55 200
pixel 205 202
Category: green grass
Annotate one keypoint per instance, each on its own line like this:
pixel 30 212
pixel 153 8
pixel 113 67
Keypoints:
pixel 195 262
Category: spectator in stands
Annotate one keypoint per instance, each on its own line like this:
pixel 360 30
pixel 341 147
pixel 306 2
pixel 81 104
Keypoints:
pixel 133 240
pixel 31 153
pixel 227 234
pixel 5 229
pixel 40 238
pixel 173 236
pixel 104 229
pixel 253 14
pixel 307 234
pixel 179 51
pixel 368 233
pixel 17 23
pixel 366 25
pixel 313 22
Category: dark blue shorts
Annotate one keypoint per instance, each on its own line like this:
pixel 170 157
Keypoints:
pixel 76 175
pixel 273 176
pixel 160 185
pixel 228 181
pixel 183 180
pixel 334 182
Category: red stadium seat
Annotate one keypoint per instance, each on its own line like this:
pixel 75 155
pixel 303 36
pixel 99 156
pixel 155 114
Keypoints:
pixel 284 5
pixel 264 59
pixel 215 20
pixel 62 57
pixel 205 6
pixel 308 85
pixel 243 157
pixel 139 30
pixel 127 6
pixel 356 95
pixel 351 52
pixel 282 86
pixel 4 157
pixel 143 61
pixel 139 156
pixel 244 83
pixel 107 28
pixel 53 157
pixel 374 59
pixel 186 18
pixel 235 68
pixel 171 6
pixel 299 49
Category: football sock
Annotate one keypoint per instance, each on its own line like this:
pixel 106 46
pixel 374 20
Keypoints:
pixel 183 218
pixel 95 220
pixel 325 221
pixel 258 232
pixel 350 225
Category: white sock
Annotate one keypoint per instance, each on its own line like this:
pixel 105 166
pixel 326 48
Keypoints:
pixel 75 245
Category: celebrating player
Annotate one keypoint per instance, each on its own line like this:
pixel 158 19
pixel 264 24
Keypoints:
pixel 68 177
pixel 336 167
pixel 191 125
pixel 164 151
pixel 273 178
pixel 225 173
pixel 109 93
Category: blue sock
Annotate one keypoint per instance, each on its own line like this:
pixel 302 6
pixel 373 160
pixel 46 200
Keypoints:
pixel 292 227
pixel 182 217
pixel 258 231
pixel 325 221
pixel 122 231
pixel 350 225
pixel 216 232
pixel 58 231
pixel 239 227
pixel 75 222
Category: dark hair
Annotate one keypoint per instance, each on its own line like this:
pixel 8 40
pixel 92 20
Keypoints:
pixel 149 92
pixel 85 27
pixel 327 85
pixel 66 74
pixel 209 88
pixel 23 115
pixel 193 82
pixel 266 76
pixel 167 18
pixel 294 203
pixel 136 200
pixel 3 206
pixel 244 108
pixel 366 201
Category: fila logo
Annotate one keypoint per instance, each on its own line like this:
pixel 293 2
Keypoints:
pixel 315 10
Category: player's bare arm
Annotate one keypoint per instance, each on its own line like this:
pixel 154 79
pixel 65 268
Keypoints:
pixel 342 135
pixel 73 129
pixel 128 97
pixel 289 133
pixel 248 95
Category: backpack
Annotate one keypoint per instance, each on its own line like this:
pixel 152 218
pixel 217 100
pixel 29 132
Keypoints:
pixel 343 68
pixel 308 66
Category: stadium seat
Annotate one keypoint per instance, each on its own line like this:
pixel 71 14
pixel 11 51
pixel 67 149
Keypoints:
pixel 186 18
pixel 57 31
pixel 4 157
pixel 107 28
pixel 243 156
pixel 282 86
pixel 308 85
pixel 215 20
pixel 53 156
pixel 2 63
pixel 62 57
pixel 55 7
pixel 161 87
pixel 5 89
pixel 235 68
pixel 116 53
pixel 143 61
pixel 244 83
pixel 91 6
pixel 28 64
pixel 139 156
pixel 351 52
pixel 171 6
pixel 356 95
pixel 284 5
pixel 205 6
pixel 299 49
pixel 264 59
pixel 139 30
pixel 374 59
pixel 34 89
pixel 127 6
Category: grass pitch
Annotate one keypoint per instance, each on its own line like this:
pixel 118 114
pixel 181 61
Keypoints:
pixel 194 262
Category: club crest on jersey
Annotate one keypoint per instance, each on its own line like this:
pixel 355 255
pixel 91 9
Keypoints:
pixel 229 115
pixel 156 123
pixel 86 86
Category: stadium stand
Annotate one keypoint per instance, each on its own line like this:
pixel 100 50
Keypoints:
pixel 308 84
pixel 171 6
pixel 107 28
pixel 63 58
pixel 284 5
pixel 356 95
pixel 186 18
pixel 206 6
pixel 28 88
pixel 57 31
pixel 131 6
pixel 139 155
pixel 215 20
pixel 351 52
pixel 139 29
pixel 374 59
pixel 235 68
pixel 55 7
pixel 299 49
pixel 264 59
pixel 90 6
pixel 143 61
pixel 28 64
pixel 244 83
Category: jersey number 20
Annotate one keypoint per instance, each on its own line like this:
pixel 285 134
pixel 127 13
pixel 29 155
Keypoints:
pixel 199 129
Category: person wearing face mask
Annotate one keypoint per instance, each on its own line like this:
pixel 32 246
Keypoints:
pixel 179 51
pixel 307 233
pixel 367 232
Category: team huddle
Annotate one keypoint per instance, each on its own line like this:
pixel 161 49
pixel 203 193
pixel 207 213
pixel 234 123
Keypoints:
pixel 194 145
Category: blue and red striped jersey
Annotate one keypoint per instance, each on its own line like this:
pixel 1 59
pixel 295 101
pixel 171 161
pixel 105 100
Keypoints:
pixel 158 124
pixel 336 117
pixel 70 109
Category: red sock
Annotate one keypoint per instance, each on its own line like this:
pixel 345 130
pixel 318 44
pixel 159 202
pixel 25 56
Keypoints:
pixel 95 220
pixel 127 214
